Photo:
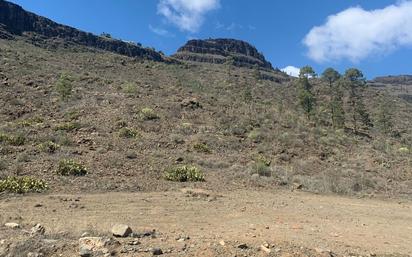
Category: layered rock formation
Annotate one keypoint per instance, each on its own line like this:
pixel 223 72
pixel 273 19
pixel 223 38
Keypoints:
pixel 14 20
pixel 394 80
pixel 221 51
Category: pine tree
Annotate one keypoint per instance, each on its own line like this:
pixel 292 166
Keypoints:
pixel 356 83
pixel 337 110
pixel 384 119
pixel 306 98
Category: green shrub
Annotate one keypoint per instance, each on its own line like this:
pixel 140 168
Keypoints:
pixel 255 135
pixel 22 185
pixel 67 126
pixel 48 147
pixel 202 148
pixel 128 133
pixel 64 86
pixel 15 140
pixel 71 168
pixel 184 173
pixel 148 114
pixel 30 122
pixel 129 88
pixel 262 168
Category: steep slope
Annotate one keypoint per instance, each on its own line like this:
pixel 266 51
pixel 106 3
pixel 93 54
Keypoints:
pixel 16 21
pixel 221 51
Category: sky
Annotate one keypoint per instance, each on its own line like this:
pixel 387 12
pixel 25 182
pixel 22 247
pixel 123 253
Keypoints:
pixel 374 36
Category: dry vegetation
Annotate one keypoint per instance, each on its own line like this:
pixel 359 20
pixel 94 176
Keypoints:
pixel 127 121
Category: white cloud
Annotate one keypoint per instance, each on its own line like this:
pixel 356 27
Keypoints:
pixel 188 15
pixel 355 34
pixel 291 71
pixel 160 31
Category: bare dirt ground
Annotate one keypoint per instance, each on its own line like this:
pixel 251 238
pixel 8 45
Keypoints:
pixel 210 224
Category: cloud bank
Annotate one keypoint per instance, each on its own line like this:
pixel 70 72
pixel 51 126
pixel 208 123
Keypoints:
pixel 187 15
pixel 291 71
pixel 355 34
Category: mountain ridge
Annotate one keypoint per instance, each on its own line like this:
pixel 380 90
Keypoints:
pixel 19 22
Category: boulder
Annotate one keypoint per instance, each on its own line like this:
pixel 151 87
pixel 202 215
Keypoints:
pixel 121 230
pixel 12 225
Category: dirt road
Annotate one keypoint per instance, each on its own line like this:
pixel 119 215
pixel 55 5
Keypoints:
pixel 342 225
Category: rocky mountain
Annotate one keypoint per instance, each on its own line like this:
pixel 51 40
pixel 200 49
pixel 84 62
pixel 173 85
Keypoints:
pixel 15 21
pixel 394 80
pixel 400 86
pixel 220 51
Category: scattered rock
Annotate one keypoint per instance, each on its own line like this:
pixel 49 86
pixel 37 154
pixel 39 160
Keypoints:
pixel 265 249
pixel 88 246
pixel 242 246
pixel 156 251
pixel 85 234
pixel 84 252
pixel 151 233
pixel 38 229
pixel 191 103
pixel 35 254
pixel 120 230
pixel 222 243
pixel 12 225
pixel 255 176
pixel 297 186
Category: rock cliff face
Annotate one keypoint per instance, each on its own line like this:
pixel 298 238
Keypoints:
pixel 394 80
pixel 14 20
pixel 221 51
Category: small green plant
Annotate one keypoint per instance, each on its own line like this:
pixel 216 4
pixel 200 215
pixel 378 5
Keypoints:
pixel 15 140
pixel 48 147
pixel 21 185
pixel 255 135
pixel 201 148
pixel 148 114
pixel 129 89
pixel 71 168
pixel 30 122
pixel 67 126
pixel 128 133
pixel 64 87
pixel 262 166
pixel 184 173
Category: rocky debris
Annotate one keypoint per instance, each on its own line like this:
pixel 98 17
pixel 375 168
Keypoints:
pixel 156 251
pixel 12 225
pixel 17 21
pixel 121 230
pixel 222 51
pixel 297 186
pixel 242 246
pixel 199 193
pixel 265 248
pixel 93 246
pixel 38 229
pixel 142 234
pixel 190 103
pixel 35 254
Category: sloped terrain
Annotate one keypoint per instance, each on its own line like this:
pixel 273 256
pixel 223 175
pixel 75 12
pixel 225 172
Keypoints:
pixel 221 120
pixel 88 126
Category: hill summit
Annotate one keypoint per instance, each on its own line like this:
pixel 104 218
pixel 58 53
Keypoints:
pixel 222 50
pixel 15 21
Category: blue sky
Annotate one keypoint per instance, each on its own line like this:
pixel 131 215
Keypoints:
pixel 375 36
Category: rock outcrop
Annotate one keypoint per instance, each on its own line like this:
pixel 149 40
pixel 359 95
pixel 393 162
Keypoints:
pixel 14 20
pixel 221 51
pixel 394 80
